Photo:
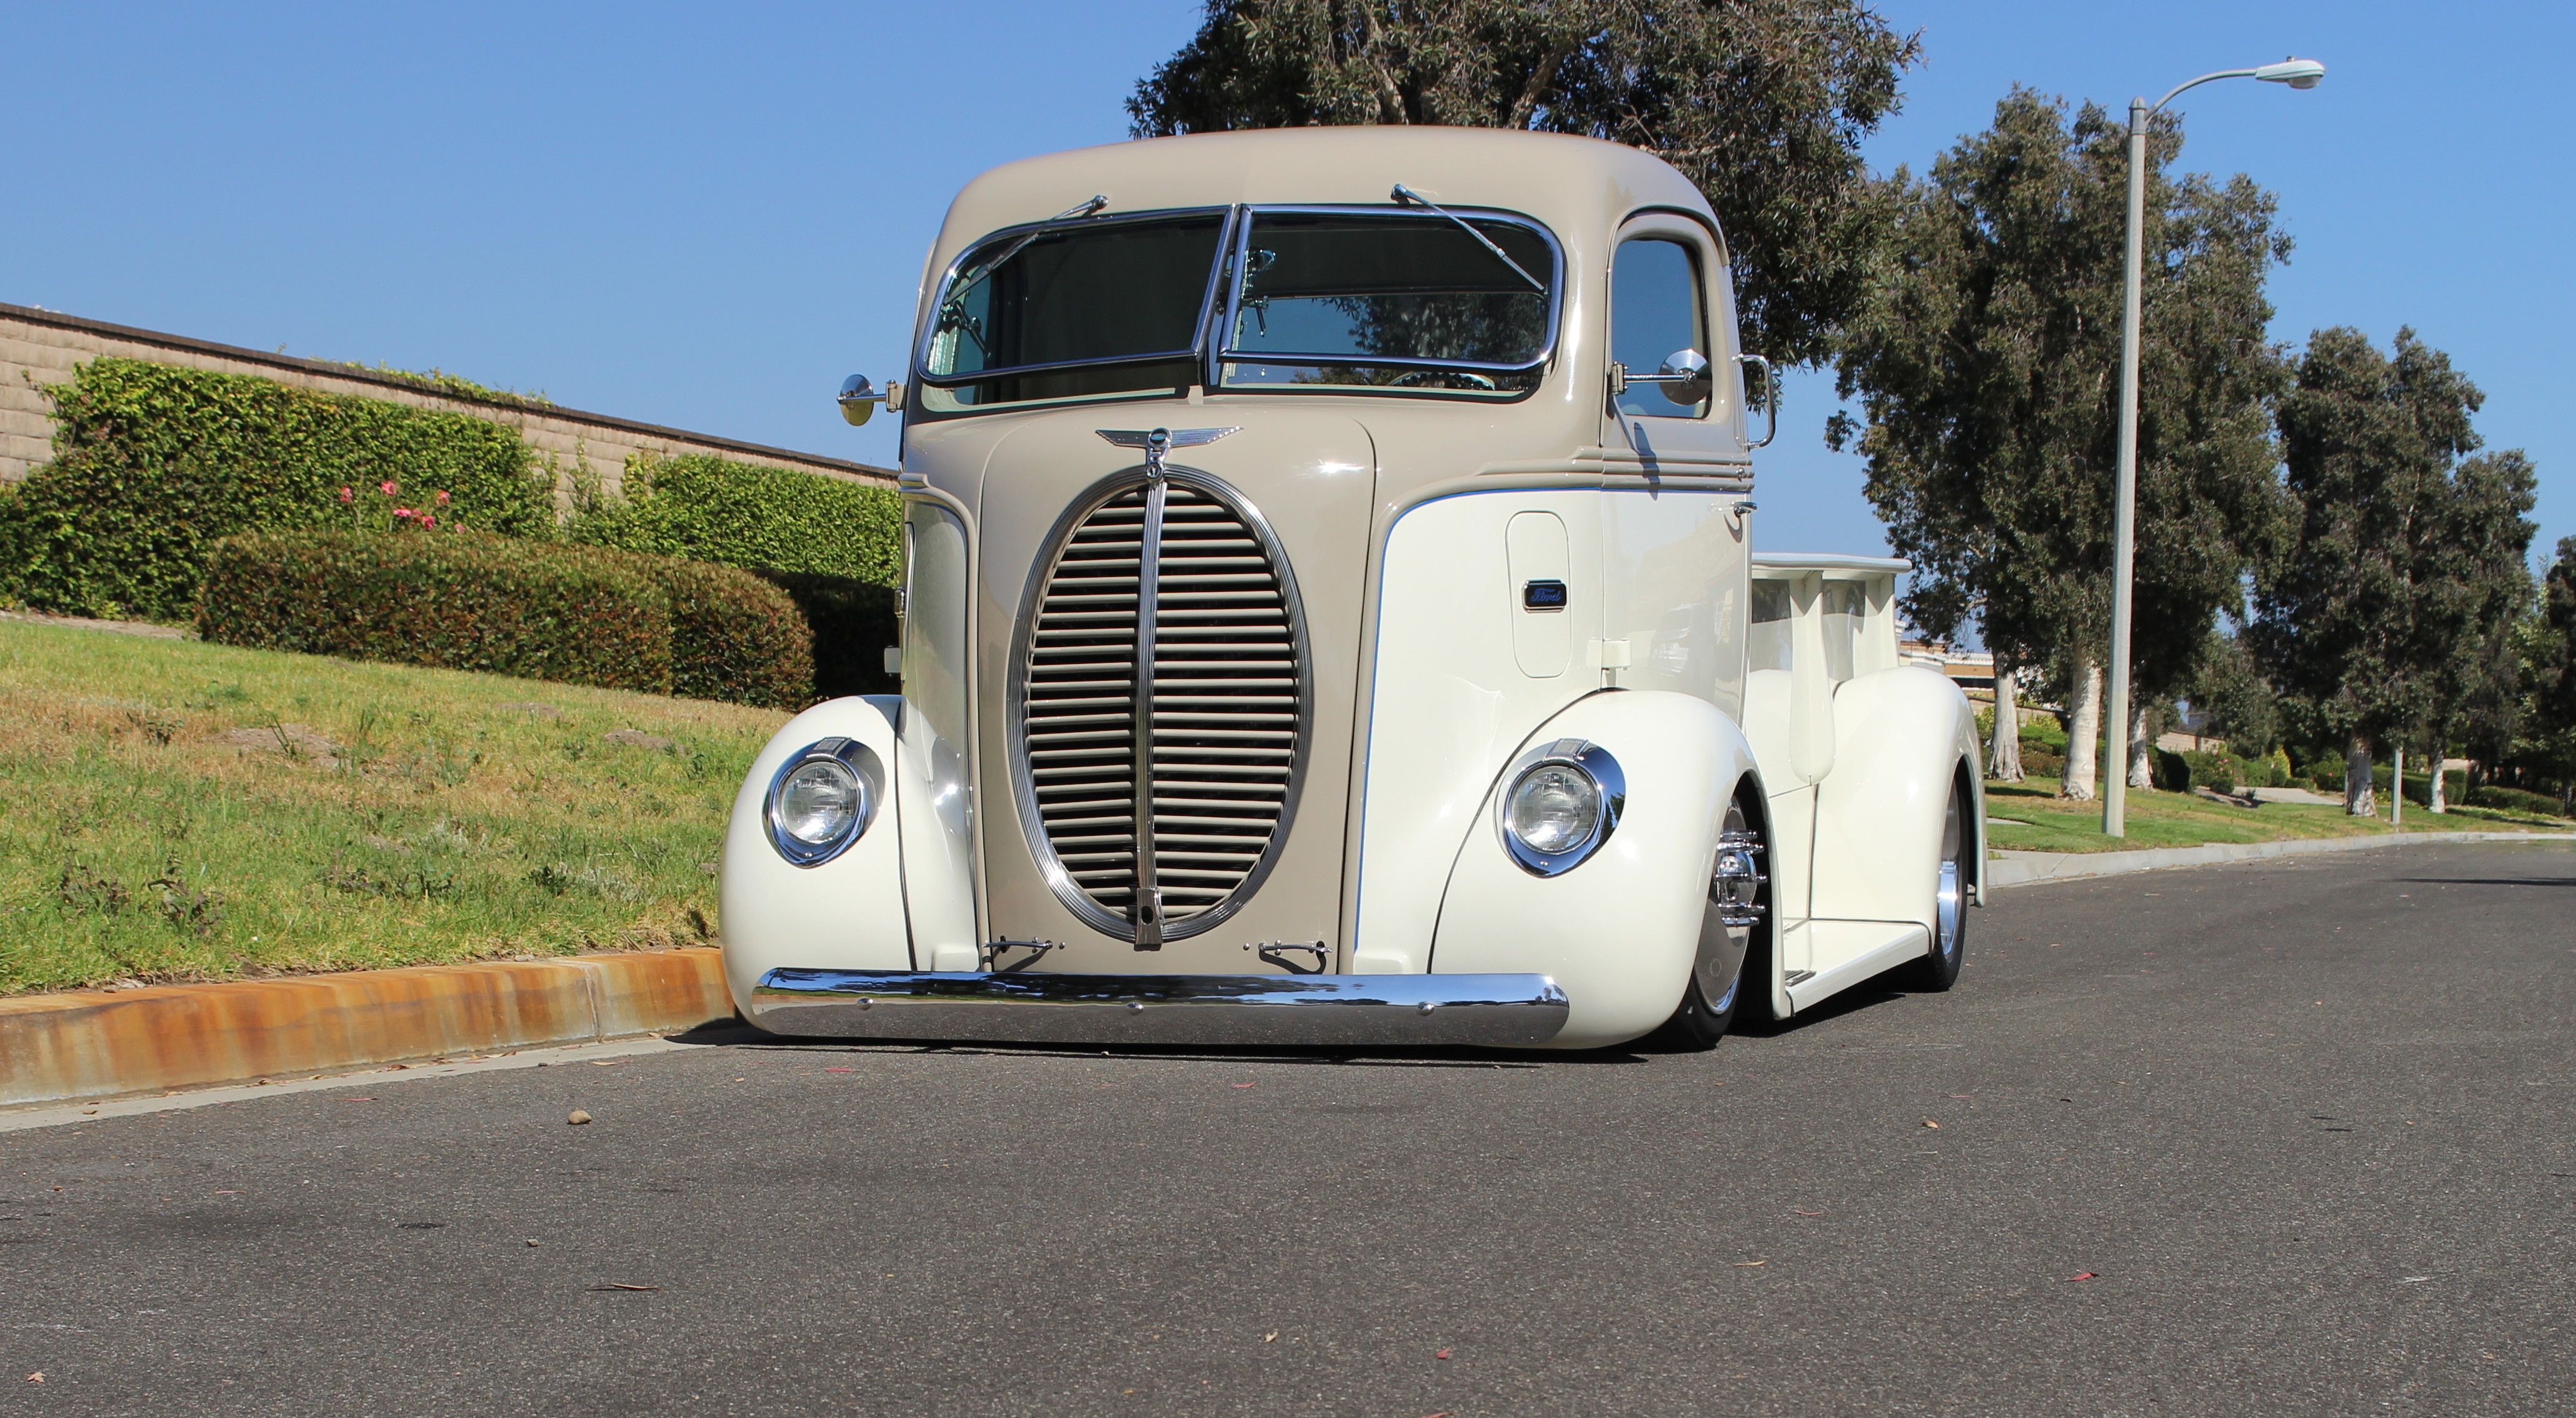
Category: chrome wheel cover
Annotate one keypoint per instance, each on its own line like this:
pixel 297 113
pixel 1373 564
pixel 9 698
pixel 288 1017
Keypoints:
pixel 1948 894
pixel 1731 915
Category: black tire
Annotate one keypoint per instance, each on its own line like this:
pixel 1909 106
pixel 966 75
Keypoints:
pixel 1721 973
pixel 1939 970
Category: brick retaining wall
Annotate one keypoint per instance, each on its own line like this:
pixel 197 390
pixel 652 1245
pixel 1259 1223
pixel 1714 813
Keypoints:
pixel 40 347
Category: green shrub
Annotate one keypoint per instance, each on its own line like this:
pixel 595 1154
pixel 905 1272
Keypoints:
pixel 154 464
pixel 2419 787
pixel 707 508
pixel 581 615
pixel 853 622
pixel 455 600
pixel 2515 800
pixel 734 636
pixel 2170 771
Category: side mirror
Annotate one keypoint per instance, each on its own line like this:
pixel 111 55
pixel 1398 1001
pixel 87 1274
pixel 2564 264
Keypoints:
pixel 1685 376
pixel 859 398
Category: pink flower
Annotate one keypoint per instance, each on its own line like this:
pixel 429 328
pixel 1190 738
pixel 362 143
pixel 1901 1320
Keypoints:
pixel 402 511
pixel 442 497
pixel 347 496
pixel 429 519
pixel 386 488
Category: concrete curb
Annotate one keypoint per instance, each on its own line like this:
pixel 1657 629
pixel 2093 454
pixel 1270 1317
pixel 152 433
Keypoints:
pixel 98 1044
pixel 2030 868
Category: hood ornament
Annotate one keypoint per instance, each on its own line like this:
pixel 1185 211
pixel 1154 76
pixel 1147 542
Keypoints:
pixel 1157 441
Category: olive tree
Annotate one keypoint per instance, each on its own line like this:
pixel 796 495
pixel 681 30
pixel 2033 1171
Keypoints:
pixel 1985 354
pixel 1762 103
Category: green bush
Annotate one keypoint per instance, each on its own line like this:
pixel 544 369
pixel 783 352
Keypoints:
pixel 154 464
pixel 2419 787
pixel 2515 800
pixel 853 622
pixel 733 636
pixel 2170 771
pixel 707 508
pixel 455 600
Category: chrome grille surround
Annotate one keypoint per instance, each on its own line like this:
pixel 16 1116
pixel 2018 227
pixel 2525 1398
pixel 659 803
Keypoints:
pixel 1197 805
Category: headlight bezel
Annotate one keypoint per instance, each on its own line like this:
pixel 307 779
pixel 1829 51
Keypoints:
pixel 1587 759
pixel 864 768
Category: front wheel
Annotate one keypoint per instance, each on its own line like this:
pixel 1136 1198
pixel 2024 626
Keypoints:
pixel 1738 906
pixel 1939 970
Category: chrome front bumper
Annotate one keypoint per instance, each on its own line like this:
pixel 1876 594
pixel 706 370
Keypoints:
pixel 1027 1007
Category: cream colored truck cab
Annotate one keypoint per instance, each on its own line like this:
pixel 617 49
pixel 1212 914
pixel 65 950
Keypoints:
pixel 1330 617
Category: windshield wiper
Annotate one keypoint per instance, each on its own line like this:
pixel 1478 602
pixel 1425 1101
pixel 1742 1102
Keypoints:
pixel 954 307
pixel 1403 194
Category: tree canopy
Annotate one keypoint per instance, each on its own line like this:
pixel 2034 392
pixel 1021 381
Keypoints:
pixel 2405 571
pixel 1762 103
pixel 1986 354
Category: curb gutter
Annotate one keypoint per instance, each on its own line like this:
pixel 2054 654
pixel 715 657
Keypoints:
pixel 101 1043
pixel 2030 868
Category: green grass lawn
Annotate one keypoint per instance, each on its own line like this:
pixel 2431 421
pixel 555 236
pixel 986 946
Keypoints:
pixel 182 811
pixel 2041 821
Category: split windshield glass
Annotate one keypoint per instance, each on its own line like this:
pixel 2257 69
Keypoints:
pixel 1389 301
pixel 1103 307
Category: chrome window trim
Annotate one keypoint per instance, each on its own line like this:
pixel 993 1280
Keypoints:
pixel 1593 762
pixel 863 764
pixel 1024 786
pixel 1221 351
pixel 1227 218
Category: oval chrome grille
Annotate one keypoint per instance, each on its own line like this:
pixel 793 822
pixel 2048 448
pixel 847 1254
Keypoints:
pixel 1175 791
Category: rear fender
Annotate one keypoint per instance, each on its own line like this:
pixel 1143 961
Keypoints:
pixel 1617 932
pixel 1903 738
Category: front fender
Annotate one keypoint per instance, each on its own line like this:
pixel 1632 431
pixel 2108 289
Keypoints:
pixel 1619 931
pixel 847 913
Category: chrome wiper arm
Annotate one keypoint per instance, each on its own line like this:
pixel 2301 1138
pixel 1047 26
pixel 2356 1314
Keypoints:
pixel 956 301
pixel 1403 194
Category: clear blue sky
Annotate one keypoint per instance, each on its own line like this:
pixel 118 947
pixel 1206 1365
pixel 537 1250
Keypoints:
pixel 706 216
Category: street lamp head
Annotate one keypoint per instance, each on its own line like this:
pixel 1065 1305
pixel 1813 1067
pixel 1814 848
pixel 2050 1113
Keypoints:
pixel 2297 73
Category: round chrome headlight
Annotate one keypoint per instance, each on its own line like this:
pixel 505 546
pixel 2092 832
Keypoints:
pixel 1554 808
pixel 822 800
pixel 1563 801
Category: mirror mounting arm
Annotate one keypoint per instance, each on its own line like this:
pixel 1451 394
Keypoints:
pixel 859 398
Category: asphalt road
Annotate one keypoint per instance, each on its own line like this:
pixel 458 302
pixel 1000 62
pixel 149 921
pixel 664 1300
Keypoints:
pixel 2282 1138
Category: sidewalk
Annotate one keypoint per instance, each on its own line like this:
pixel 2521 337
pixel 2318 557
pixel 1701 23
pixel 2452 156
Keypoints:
pixel 2008 869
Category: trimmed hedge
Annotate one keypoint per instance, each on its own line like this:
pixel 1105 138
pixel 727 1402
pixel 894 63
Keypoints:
pixel 154 464
pixel 455 600
pixel 2516 800
pixel 469 601
pixel 762 518
pixel 854 623
pixel 733 636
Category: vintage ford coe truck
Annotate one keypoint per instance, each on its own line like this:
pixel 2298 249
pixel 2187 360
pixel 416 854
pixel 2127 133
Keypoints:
pixel 1330 616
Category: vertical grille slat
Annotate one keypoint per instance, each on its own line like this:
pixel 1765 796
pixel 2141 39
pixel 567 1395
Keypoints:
pixel 1222 714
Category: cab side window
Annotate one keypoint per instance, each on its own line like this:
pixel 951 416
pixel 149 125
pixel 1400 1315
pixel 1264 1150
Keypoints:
pixel 1655 312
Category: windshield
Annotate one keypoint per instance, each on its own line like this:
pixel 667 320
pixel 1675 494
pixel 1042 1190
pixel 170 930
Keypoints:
pixel 1105 307
pixel 1389 301
pixel 1324 299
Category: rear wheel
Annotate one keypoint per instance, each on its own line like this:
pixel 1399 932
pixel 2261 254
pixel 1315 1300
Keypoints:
pixel 1738 906
pixel 1940 969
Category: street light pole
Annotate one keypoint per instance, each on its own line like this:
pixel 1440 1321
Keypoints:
pixel 2298 74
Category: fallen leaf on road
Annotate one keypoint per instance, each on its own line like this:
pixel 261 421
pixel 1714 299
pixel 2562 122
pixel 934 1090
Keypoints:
pixel 228 1193
pixel 2414 1280
pixel 614 1285
pixel 1806 1213
pixel 576 1117
pixel 1748 1264
pixel 1271 1338
pixel 1927 1122
pixel 36 1377
pixel 1443 1354
pixel 1243 1085
pixel 532 1240
pixel 2083 1275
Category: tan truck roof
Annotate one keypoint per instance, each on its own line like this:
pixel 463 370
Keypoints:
pixel 1579 187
